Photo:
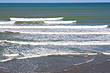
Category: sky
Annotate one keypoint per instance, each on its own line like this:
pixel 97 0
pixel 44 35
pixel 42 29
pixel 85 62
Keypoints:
pixel 51 1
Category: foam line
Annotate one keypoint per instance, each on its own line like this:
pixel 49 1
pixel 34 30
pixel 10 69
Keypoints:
pixel 59 43
pixel 53 27
pixel 57 54
pixel 85 62
pixel 90 54
pixel 35 19
pixel 7 22
pixel 5 60
pixel 60 33
pixel 66 33
pixel 59 22
pixel 33 56
pixel 10 55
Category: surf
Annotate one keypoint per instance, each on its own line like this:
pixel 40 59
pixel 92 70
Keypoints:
pixel 45 22
pixel 7 22
pixel 54 27
pixel 51 54
pixel 36 19
pixel 63 43
pixel 59 33
pixel 66 33
pixel 59 22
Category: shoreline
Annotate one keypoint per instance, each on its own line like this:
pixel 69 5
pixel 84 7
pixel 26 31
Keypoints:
pixel 101 67
pixel 57 64
pixel 96 66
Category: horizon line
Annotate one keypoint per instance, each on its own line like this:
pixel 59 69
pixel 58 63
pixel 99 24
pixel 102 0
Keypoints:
pixel 71 2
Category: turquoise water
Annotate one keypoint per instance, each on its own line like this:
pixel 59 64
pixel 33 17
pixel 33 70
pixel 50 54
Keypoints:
pixel 39 47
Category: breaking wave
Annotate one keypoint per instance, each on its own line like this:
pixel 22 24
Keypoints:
pixel 53 27
pixel 58 43
pixel 35 19
pixel 29 22
pixel 7 22
pixel 66 33
pixel 59 22
pixel 52 54
pixel 45 22
pixel 59 33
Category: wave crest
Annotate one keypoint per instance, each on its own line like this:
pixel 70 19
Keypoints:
pixel 59 43
pixel 35 19
pixel 48 55
pixel 58 33
pixel 54 27
pixel 7 22
pixel 29 22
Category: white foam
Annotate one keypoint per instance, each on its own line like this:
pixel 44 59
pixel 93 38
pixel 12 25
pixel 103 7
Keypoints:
pixel 10 55
pixel 54 27
pixel 43 55
pixel 60 43
pixel 75 54
pixel 35 19
pixel 59 33
pixel 85 62
pixel 106 53
pixel 7 22
pixel 59 22
pixel 80 54
pixel 66 33
pixel 90 54
pixel 5 60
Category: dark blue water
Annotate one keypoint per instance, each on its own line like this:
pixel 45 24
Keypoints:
pixel 83 12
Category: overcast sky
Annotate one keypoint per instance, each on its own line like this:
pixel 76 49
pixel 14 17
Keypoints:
pixel 51 1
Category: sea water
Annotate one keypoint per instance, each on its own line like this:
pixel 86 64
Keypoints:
pixel 39 47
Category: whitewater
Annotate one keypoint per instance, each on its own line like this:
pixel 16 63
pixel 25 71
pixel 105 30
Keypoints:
pixel 12 30
pixel 59 43
pixel 52 27
pixel 36 19
pixel 7 22
pixel 54 37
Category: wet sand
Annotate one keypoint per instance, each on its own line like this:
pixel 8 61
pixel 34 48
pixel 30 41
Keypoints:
pixel 101 67
pixel 100 64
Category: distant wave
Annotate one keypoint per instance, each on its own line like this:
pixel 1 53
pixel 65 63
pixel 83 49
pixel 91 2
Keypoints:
pixel 7 22
pixel 35 19
pixel 41 20
pixel 58 33
pixel 52 27
pixel 59 22
pixel 45 22
pixel 59 43
pixel 29 22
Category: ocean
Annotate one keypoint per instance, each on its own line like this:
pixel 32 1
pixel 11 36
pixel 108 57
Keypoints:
pixel 50 37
